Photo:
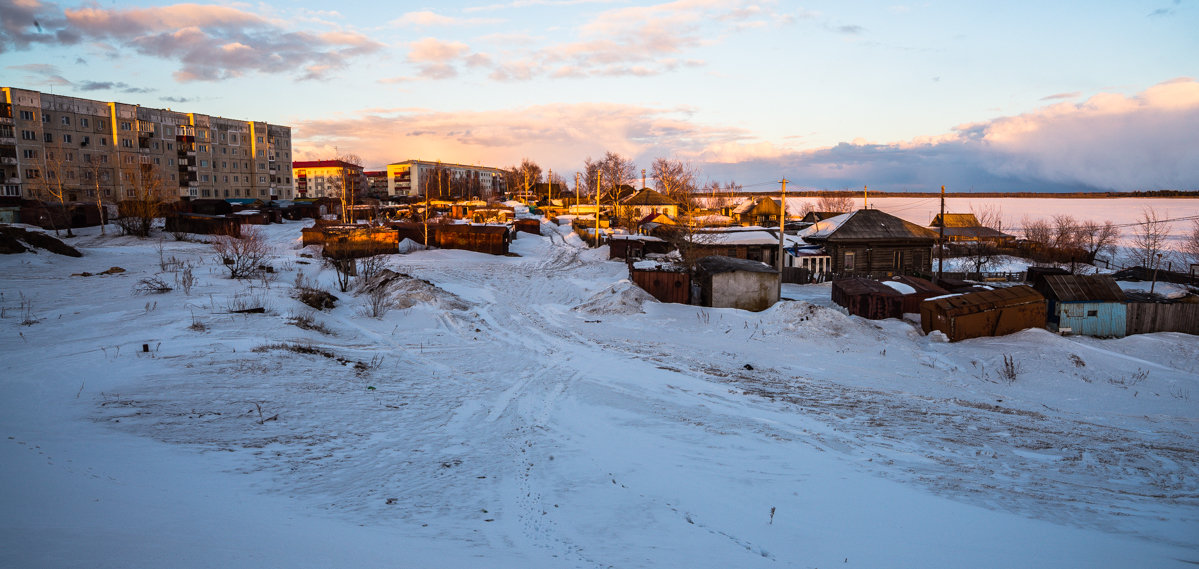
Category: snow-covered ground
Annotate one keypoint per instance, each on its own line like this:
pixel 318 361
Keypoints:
pixel 492 424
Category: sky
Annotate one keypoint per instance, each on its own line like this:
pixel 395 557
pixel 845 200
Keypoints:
pixel 1030 96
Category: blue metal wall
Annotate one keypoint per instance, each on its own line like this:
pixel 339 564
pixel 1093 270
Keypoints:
pixel 1109 320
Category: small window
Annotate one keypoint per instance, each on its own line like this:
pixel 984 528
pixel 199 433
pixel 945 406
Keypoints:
pixel 49 137
pixel 1092 313
pixel 848 262
pixel 66 138
pixel 83 122
pixel 26 115
pixel 66 120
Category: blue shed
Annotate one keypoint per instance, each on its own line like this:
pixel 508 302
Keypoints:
pixel 1091 305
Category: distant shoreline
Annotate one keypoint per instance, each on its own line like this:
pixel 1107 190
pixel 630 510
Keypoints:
pixel 1057 195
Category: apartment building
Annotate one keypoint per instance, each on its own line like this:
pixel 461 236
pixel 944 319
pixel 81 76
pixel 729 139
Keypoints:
pixel 416 178
pixel 94 147
pixel 324 178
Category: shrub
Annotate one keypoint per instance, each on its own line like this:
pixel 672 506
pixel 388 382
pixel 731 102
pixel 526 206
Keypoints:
pixel 244 256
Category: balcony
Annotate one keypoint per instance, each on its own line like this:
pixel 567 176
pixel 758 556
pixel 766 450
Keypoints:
pixel 5 120
pixel 8 140
pixel 12 180
pixel 145 126
pixel 270 157
pixel 8 160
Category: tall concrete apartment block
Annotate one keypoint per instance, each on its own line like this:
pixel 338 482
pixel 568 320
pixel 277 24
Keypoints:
pixel 101 146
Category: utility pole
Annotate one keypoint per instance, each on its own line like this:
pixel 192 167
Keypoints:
pixel 782 226
pixel 598 181
pixel 643 178
pixel 941 239
pixel 865 197
pixel 549 192
pixel 576 191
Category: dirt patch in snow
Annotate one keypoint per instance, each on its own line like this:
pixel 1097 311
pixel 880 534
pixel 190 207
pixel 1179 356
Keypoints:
pixel 407 291
pixel 624 297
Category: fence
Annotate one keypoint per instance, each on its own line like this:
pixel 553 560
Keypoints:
pixel 1145 317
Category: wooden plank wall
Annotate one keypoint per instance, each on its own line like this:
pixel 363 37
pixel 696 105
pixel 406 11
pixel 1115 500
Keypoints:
pixel 1146 317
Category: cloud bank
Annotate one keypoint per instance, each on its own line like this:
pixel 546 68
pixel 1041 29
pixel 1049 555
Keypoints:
pixel 210 42
pixel 1112 142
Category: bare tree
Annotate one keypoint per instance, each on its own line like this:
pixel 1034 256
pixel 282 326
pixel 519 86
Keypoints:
pixel 528 176
pixel 1064 232
pixel 348 184
pixel 243 257
pixel 617 171
pixel 145 194
pixel 94 173
pixel 675 179
pixel 1149 239
pixel 840 203
pixel 1096 238
pixel 990 216
pixel 51 183
pixel 1190 242
pixel 1038 231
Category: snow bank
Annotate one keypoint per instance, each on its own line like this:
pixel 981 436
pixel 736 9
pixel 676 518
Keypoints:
pixel 407 291
pixel 624 297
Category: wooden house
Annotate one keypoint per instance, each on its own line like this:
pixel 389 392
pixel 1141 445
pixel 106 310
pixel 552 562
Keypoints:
pixel 967 227
pixel 648 202
pixel 756 244
pixel 726 282
pixel 762 211
pixel 1090 305
pixel 870 242
pixel 986 313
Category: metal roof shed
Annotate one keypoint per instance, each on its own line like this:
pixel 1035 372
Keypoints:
pixel 868 298
pixel 1090 305
pixel 986 313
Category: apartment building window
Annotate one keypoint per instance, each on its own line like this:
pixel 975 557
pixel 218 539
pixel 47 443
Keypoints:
pixel 155 146
pixel 203 148
pixel 66 120
pixel 83 140
pixel 101 124
pixel 260 140
pixel 205 177
pixel 170 161
pixel 83 122
pixel 125 125
pixel 11 191
pixel 45 117
pixel 226 179
pixel 70 174
pixel 129 160
pixel 173 179
pixel 29 154
pixel 262 179
pixel 203 163
pixel 103 159
pixel 26 115
pixel 87 175
pixel 235 165
pixel 233 139
pixel 224 150
pixel 49 137
pixel 127 143
pixel 157 161
pixel 103 141
pixel 28 135
pixel 260 151
pixel 222 137
pixel 32 173
pixel 170 146
pixel 261 166
pixel 66 138
pixel 69 156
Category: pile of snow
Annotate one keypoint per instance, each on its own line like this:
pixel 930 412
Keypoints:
pixel 899 287
pixel 407 291
pixel 408 246
pixel 623 297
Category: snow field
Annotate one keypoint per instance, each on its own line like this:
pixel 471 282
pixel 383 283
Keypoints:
pixel 492 424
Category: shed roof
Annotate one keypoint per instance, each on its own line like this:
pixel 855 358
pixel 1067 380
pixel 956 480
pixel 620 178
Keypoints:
pixel 722 264
pixel 956 220
pixel 981 301
pixel 856 286
pixel 1084 288
pixel 648 197
pixel 866 225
